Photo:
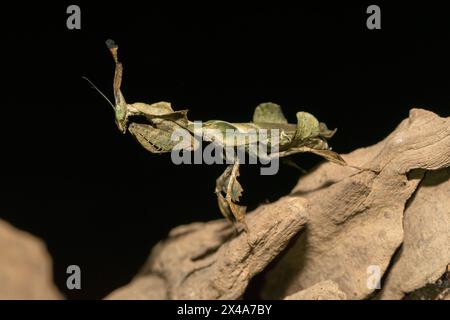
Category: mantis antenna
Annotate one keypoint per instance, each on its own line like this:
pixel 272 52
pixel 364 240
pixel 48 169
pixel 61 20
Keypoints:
pixel 98 90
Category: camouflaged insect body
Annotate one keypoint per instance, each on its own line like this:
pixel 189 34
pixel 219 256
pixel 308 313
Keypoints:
pixel 158 122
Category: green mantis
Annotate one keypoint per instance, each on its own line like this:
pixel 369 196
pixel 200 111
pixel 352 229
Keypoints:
pixel 158 123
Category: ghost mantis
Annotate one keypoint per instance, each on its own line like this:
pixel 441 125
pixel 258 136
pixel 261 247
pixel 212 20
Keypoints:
pixel 160 121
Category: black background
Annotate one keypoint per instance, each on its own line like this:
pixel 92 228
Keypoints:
pixel 98 199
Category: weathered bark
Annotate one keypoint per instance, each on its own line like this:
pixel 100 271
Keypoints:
pixel 425 252
pixel 348 222
pixel 25 266
pixel 325 290
pixel 438 290
pixel 207 261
